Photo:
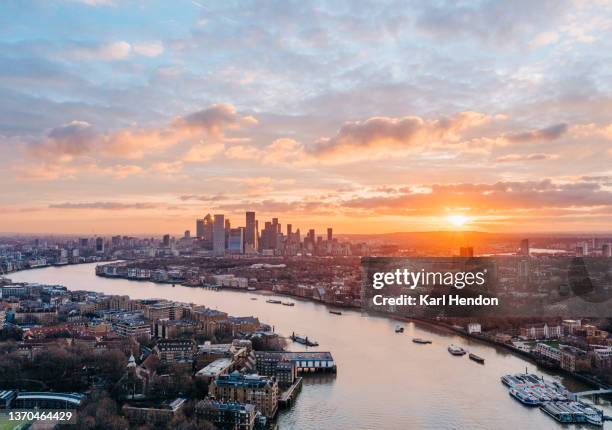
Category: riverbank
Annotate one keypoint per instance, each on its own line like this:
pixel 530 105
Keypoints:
pixel 432 323
pixel 386 380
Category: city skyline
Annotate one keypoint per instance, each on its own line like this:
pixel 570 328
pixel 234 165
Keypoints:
pixel 136 118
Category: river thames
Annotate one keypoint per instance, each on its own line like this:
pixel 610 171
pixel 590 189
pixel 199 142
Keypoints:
pixel 384 380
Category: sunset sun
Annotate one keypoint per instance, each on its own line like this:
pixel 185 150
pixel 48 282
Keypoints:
pixel 457 220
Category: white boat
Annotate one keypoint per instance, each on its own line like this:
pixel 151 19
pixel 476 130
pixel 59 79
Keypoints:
pixel 456 350
pixel 399 329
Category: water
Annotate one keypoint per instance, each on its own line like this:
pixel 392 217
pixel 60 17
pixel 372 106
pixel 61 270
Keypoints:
pixel 384 380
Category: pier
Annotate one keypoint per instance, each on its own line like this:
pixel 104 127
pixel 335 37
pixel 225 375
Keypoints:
pixel 288 396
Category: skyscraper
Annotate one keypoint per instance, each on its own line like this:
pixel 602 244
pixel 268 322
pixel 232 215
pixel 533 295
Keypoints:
pixel 329 234
pixel 250 233
pixel 200 228
pixel 218 235
pixel 236 241
pixel 207 233
pixel 100 245
pixel 525 247
pixel 166 240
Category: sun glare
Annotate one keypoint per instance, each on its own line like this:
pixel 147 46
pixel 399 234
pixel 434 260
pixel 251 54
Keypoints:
pixel 457 220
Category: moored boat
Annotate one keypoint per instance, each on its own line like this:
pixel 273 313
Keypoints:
pixel 476 358
pixel 421 341
pixel 275 302
pixel 288 304
pixel 335 312
pixel 456 350
pixel 524 397
pixel 399 329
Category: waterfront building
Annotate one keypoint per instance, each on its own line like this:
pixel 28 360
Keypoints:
pixel 548 352
pixel 574 359
pixel 261 391
pixel 541 331
pixel 219 235
pixel 232 415
pixel 602 357
pixel 474 328
pixel 305 361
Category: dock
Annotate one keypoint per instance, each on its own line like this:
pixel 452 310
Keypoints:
pixel 287 397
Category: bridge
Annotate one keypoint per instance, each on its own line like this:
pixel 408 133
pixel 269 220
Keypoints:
pixel 591 393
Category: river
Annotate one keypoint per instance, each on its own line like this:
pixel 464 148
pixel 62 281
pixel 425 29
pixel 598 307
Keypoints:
pixel 384 380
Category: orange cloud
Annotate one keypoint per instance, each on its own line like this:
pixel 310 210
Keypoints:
pixel 380 136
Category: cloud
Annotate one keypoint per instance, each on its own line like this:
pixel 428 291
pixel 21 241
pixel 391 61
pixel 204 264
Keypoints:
pixel 282 150
pixel 380 136
pixel 201 153
pixel 525 157
pixel 112 51
pixel 42 172
pixel 202 197
pixel 149 49
pixel 66 141
pixel 105 205
pixel 78 138
pixel 544 134
pixel 545 38
pixel 483 199
pixel 213 120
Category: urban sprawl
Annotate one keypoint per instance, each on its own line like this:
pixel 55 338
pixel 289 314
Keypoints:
pixel 165 364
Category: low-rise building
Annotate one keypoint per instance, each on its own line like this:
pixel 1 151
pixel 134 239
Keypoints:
pixel 232 415
pixel 172 351
pixel 261 391
pixel 574 359
pixel 548 352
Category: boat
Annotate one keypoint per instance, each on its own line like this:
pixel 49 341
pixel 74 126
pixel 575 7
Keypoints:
pixel 399 329
pixel 568 412
pixel 524 397
pixel 476 358
pixel 335 312
pixel 253 298
pixel 275 302
pixel 288 304
pixel 456 350
pixel 251 289
pixel 303 340
pixel 421 341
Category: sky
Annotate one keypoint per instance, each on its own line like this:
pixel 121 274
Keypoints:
pixel 137 117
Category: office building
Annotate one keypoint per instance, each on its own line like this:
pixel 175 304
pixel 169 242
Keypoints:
pixel 99 245
pixel 236 241
pixel 250 233
pixel 218 235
